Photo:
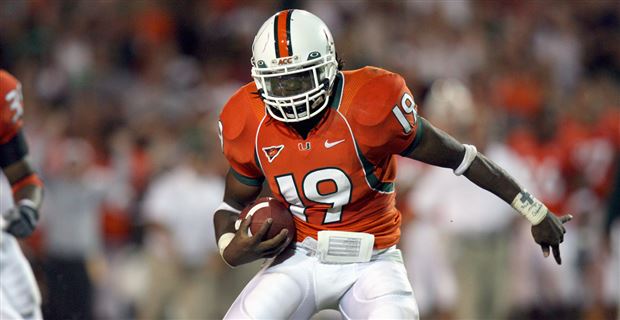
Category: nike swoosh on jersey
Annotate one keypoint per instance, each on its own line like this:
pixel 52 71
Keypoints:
pixel 331 144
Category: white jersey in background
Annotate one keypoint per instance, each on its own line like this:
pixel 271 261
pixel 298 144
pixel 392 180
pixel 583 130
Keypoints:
pixel 19 295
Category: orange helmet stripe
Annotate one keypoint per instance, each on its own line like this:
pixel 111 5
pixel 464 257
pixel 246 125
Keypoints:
pixel 282 25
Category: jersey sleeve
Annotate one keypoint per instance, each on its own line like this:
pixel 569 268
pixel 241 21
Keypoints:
pixel 237 127
pixel 386 117
pixel 11 107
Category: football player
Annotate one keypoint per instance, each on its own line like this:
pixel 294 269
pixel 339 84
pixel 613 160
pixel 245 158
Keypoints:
pixel 19 295
pixel 325 142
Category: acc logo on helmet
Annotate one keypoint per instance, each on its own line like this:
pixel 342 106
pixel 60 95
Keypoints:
pixel 283 61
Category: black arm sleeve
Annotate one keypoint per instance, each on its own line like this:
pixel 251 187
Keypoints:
pixel 14 150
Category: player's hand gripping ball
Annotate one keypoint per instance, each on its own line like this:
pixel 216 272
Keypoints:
pixel 263 209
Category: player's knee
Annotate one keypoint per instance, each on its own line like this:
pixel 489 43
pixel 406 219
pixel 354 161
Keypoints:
pixel 391 306
pixel 275 295
pixel 396 307
pixel 385 279
pixel 384 293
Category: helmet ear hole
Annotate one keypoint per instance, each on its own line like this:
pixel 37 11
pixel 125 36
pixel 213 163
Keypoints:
pixel 325 83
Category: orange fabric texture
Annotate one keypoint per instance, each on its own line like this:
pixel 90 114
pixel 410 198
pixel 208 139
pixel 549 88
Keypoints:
pixel 343 180
pixel 11 107
pixel 240 118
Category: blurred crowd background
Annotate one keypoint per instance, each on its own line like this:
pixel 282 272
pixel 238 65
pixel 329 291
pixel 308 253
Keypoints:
pixel 121 105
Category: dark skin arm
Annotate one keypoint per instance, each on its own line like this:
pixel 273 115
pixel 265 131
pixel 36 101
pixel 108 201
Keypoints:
pixel 17 171
pixel 21 220
pixel 440 149
pixel 245 248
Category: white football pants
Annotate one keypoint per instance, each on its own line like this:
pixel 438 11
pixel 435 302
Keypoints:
pixel 19 294
pixel 296 286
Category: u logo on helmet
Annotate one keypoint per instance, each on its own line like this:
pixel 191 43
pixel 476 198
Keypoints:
pixel 313 55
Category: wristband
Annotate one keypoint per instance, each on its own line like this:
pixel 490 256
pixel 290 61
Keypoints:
pixel 27 203
pixel 534 210
pixel 468 158
pixel 224 241
pixel 32 207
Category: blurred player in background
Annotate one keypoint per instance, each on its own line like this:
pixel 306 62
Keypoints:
pixel 324 141
pixel 19 295
pixel 184 266
pixel 73 196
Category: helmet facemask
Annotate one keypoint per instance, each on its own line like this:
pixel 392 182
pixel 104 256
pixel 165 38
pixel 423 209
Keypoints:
pixel 296 92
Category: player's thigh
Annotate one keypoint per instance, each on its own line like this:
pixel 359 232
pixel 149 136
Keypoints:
pixel 19 288
pixel 7 311
pixel 276 293
pixel 381 292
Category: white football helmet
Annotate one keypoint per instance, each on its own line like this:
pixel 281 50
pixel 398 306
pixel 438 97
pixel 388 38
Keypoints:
pixel 294 65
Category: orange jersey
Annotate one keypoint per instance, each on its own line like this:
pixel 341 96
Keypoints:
pixel 11 106
pixel 341 177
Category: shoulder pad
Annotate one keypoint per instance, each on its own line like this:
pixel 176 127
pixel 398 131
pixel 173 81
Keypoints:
pixel 382 126
pixel 242 111
pixel 239 121
pixel 11 106
pixel 370 94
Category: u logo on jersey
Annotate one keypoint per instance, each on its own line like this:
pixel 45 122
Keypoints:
pixel 272 152
pixel 304 146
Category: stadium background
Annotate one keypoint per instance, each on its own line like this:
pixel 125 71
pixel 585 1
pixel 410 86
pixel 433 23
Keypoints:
pixel 122 97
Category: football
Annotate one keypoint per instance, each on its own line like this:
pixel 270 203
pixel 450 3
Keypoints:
pixel 265 208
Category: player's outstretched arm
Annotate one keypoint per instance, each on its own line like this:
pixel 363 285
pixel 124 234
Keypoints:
pixel 21 220
pixel 439 148
pixel 237 247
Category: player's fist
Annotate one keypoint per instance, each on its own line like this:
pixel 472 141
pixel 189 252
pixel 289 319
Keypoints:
pixel 549 233
pixel 244 248
pixel 21 220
